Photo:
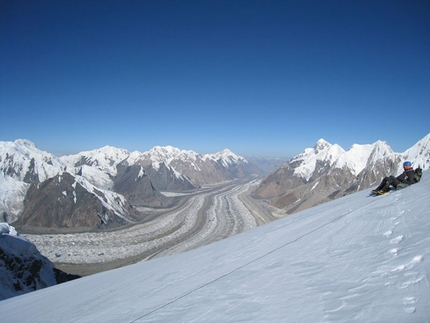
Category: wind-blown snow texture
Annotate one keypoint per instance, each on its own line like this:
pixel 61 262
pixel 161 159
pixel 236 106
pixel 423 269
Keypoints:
pixel 355 259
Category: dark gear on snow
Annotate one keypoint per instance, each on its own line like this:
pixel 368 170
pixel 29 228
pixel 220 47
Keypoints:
pixel 418 174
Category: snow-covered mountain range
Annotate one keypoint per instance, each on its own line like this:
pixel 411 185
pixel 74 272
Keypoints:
pixel 354 259
pixel 102 187
pixel 327 171
pixel 105 187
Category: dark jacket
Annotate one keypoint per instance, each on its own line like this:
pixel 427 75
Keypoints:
pixel 407 177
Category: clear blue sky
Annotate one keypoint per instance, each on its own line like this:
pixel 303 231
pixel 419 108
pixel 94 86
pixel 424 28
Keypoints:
pixel 265 78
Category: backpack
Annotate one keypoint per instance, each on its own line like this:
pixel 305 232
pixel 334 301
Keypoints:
pixel 418 174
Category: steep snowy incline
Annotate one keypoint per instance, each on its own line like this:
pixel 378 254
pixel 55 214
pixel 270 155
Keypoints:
pixel 354 259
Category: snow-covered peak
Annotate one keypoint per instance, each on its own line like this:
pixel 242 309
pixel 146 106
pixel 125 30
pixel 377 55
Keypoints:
pixel 25 143
pixel 355 159
pixel 112 153
pixel 225 157
pixel 22 160
pixel 321 145
pixel 166 154
pixel 308 159
pixel 164 151
pixel 380 150
pixel 360 156
pixel 105 159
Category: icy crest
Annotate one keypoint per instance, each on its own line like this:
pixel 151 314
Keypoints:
pixel 355 159
pixel 25 142
pixel 168 154
pixel 322 152
pixel 359 157
pixel 226 157
pixel 321 145
pixel 105 159
pixel 21 158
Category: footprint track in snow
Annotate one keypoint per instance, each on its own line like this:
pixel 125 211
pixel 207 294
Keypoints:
pixel 416 260
pixel 409 302
pixel 388 233
pixel 394 251
pixel 397 239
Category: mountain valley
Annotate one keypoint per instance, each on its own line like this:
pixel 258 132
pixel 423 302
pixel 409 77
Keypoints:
pixel 167 201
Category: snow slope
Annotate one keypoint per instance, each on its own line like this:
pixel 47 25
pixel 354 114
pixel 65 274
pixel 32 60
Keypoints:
pixel 354 259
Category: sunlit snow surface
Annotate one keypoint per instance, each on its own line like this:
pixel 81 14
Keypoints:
pixel 355 259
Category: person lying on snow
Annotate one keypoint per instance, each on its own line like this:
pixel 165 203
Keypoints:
pixel 408 177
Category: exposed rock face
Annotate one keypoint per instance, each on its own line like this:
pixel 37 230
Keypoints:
pixel 137 186
pixel 61 201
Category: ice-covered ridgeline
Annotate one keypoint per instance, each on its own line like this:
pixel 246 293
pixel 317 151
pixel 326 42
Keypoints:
pixel 97 166
pixel 323 151
pixel 176 158
pixel 168 154
pixel 358 157
pixel 226 157
pixel 107 158
pixel 355 259
pixel 22 163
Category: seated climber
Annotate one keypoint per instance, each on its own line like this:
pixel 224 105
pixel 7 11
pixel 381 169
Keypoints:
pixel 408 177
